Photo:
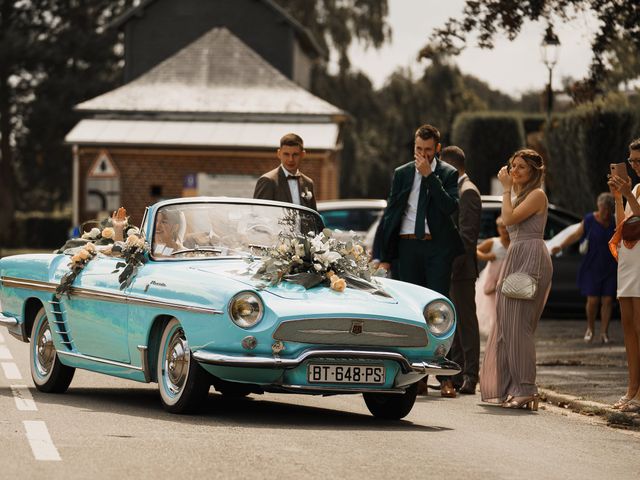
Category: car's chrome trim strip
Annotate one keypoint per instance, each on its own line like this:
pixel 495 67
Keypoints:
pixel 8 321
pixel 363 334
pixel 105 296
pixel 443 367
pixel 144 361
pixel 132 300
pixel 99 360
pixel 32 284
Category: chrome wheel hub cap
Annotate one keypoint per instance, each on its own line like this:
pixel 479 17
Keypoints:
pixel 45 351
pixel 177 362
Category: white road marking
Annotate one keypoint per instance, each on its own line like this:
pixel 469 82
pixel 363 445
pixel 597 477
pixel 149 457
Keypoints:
pixel 5 354
pixel 22 396
pixel 40 441
pixel 11 371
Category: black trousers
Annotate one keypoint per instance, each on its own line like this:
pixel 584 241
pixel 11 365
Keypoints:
pixel 425 263
pixel 465 350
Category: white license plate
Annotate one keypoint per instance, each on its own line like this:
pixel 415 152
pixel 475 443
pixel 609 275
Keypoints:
pixel 362 374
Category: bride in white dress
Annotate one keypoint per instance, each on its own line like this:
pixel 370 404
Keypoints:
pixel 492 251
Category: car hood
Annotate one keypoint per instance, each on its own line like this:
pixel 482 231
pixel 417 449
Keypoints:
pixel 240 273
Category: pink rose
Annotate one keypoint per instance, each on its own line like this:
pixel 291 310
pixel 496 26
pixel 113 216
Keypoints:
pixel 339 284
pixel 108 232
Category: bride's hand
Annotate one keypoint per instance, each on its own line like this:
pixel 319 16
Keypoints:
pixel 119 221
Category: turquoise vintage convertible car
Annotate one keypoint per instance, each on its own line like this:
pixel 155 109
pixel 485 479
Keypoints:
pixel 200 315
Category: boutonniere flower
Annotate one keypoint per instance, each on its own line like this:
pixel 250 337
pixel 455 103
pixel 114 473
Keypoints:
pixel 307 195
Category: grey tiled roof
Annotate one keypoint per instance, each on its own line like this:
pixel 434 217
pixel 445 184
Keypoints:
pixel 216 74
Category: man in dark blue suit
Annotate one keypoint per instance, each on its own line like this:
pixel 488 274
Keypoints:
pixel 418 229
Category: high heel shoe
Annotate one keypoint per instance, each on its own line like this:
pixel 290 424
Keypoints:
pixel 509 398
pixel 528 403
pixel 604 338
pixel 588 335
pixel 622 401
pixel 632 406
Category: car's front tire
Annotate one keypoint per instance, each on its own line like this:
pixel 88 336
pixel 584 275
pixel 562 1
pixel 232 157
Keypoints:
pixel 183 384
pixel 391 406
pixel 48 373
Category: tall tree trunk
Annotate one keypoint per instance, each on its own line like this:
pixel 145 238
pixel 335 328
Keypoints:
pixel 7 174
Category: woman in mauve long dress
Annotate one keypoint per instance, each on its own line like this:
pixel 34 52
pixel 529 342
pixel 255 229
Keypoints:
pixel 508 373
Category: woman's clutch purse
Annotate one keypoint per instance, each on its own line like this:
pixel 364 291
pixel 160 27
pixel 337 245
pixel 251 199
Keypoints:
pixel 519 285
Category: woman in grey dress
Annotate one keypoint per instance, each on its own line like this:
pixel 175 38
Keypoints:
pixel 508 373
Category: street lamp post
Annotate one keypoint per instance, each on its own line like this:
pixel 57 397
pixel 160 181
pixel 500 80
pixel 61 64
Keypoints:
pixel 549 50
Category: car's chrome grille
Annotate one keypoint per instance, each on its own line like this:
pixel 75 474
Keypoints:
pixel 352 331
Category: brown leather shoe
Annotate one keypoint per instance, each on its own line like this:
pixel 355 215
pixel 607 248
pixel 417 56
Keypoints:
pixel 447 390
pixel 422 387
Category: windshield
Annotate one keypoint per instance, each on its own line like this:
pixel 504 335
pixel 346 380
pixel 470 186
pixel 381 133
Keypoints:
pixel 225 229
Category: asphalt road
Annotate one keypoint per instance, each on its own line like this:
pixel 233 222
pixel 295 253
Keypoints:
pixel 110 428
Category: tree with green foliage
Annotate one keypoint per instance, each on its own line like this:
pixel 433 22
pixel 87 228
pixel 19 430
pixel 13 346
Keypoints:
pixel 53 54
pixel 338 23
pixel 615 18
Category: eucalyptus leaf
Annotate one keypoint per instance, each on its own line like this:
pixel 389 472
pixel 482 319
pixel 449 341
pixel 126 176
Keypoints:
pixel 306 279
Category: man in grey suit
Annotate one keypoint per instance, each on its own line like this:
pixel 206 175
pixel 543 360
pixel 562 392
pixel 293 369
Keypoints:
pixel 286 183
pixel 465 350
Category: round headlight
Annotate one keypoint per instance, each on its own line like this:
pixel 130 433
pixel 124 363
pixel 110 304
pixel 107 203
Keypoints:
pixel 246 309
pixel 439 316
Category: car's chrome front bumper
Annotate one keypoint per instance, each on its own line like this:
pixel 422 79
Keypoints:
pixel 7 321
pixel 441 367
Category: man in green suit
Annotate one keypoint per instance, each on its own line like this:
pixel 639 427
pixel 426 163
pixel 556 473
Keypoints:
pixel 418 230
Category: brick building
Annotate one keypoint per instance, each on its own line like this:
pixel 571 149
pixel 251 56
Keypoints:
pixel 205 120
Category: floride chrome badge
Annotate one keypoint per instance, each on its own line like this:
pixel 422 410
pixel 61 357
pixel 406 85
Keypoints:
pixel 356 328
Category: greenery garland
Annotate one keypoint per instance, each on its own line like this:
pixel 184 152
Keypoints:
pixel 133 251
pixel 76 265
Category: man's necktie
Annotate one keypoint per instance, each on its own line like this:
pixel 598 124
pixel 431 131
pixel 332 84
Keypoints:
pixel 421 213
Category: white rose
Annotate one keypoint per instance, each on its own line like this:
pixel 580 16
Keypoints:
pixel 282 248
pixel 133 231
pixel 317 266
pixel 300 250
pixel 328 258
pixel 91 234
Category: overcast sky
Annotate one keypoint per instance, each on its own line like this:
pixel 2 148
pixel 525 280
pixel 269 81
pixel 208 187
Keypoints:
pixel 513 67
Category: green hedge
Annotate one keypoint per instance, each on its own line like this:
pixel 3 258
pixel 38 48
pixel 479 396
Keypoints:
pixel 580 146
pixel 533 122
pixel 488 140
pixel 36 231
